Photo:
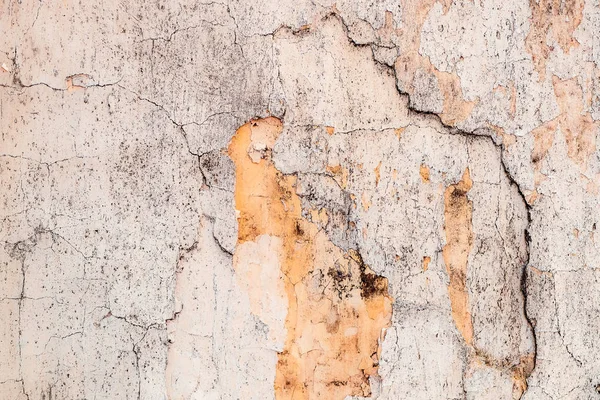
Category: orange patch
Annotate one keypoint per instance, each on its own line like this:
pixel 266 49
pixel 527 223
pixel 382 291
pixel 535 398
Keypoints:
pixel 426 261
pixel 424 172
pixel 458 210
pixel 338 307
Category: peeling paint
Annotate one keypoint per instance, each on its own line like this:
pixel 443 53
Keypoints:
pixel 458 210
pixel 426 261
pixel 424 172
pixel 338 308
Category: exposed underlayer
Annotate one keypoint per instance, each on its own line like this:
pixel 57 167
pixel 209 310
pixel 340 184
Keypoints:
pixel 458 214
pixel 337 308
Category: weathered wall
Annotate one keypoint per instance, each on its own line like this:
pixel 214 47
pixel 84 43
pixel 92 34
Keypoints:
pixel 300 200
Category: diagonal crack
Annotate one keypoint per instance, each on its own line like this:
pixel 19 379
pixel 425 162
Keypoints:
pixel 456 131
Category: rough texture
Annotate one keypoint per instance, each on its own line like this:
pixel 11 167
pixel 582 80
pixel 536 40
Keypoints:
pixel 300 200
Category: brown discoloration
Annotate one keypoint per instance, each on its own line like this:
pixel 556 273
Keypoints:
pixel 455 109
pixel 558 17
pixel 424 172
pixel 260 180
pixel 458 211
pixel 520 373
pixel 591 74
pixel 338 308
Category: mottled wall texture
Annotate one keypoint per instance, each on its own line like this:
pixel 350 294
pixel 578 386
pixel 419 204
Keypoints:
pixel 299 199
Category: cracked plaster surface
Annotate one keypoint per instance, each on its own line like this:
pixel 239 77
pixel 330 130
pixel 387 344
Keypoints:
pixel 446 150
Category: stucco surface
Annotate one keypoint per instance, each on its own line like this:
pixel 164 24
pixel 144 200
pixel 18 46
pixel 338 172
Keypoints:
pixel 299 200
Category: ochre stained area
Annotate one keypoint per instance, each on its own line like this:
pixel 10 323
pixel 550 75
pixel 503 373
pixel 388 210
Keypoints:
pixel 458 210
pixel 338 308
pixel 424 172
